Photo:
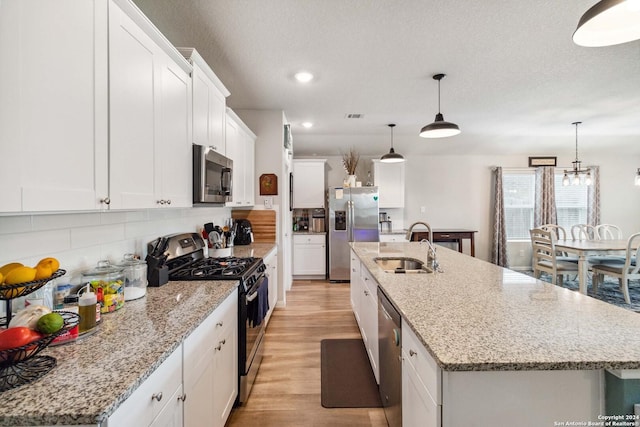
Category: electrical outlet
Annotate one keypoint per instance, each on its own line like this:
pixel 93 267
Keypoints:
pixel 268 203
pixel 423 209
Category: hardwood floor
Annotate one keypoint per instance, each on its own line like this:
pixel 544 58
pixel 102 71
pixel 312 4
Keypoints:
pixel 287 388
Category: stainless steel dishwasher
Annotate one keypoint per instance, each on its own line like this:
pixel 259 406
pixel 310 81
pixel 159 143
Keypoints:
pixel 390 355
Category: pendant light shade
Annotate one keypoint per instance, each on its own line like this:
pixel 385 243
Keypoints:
pixel 439 128
pixel 609 22
pixel 392 156
pixel 574 177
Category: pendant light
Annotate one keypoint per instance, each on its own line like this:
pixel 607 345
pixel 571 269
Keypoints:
pixel 637 180
pixel 392 156
pixel 439 128
pixel 577 170
pixel 609 22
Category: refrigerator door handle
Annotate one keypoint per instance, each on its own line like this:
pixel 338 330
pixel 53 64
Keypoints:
pixel 350 216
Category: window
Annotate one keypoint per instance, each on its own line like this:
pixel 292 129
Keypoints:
pixel 519 203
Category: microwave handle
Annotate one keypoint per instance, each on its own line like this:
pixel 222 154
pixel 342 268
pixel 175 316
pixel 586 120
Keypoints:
pixel 226 178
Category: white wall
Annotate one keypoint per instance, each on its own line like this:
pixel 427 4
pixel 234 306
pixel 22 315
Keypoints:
pixel 455 191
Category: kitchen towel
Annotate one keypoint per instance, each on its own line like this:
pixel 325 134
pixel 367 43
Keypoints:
pixel 258 308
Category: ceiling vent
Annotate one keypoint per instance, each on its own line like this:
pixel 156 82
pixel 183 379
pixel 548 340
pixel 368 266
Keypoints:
pixel 354 116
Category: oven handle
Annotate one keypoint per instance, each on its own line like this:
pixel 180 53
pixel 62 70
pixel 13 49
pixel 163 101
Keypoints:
pixel 254 295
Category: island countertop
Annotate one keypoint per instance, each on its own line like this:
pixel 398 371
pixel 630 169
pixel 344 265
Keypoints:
pixel 95 374
pixel 476 316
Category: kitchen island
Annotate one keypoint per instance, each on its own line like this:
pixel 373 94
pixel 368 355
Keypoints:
pixel 97 373
pixel 508 349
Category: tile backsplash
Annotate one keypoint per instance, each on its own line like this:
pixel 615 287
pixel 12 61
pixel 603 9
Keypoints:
pixel 80 240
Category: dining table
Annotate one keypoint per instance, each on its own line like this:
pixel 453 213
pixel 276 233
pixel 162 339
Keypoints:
pixel 584 248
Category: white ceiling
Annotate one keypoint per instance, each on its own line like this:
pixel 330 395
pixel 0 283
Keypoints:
pixel 515 80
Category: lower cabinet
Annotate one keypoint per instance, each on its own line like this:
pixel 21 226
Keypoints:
pixel 271 262
pixel 364 300
pixel 160 394
pixel 309 255
pixel 197 384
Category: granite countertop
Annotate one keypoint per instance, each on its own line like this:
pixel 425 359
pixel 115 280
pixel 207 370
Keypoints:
pixel 95 374
pixel 476 316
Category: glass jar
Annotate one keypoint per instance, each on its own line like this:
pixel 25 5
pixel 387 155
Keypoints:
pixel 135 277
pixel 106 280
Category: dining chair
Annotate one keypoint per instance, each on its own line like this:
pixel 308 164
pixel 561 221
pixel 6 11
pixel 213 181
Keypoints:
pixel 608 232
pixel 583 232
pixel 560 233
pixel 624 272
pixel 545 256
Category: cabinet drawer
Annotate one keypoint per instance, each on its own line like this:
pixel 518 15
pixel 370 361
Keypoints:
pixel 369 282
pixel 152 396
pixel 304 239
pixel 425 366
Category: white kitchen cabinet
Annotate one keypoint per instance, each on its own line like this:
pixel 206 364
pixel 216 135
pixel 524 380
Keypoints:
pixel 389 178
pixel 364 300
pixel 418 409
pixel 240 145
pixel 150 104
pixel 271 262
pixel 390 238
pixel 209 103
pixel 154 394
pixel 309 183
pixel 211 367
pixel 369 319
pixel 310 255
pixel 53 105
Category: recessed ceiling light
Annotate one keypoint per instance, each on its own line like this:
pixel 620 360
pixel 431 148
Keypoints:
pixel 304 77
pixel 307 125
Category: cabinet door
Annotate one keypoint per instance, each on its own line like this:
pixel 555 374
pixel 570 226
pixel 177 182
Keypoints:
pixel 226 373
pixel 171 414
pixel 217 120
pixel 369 316
pixel 53 100
pixel 234 152
pixel 133 65
pixel 389 177
pixel 271 261
pixel 250 174
pixel 355 285
pixel 209 110
pixel 418 409
pixel 309 188
pixel 173 158
pixel 309 256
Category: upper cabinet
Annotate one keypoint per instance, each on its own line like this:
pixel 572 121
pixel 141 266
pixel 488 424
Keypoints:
pixel 309 183
pixel 241 149
pixel 53 105
pixel 389 178
pixel 209 104
pixel 105 124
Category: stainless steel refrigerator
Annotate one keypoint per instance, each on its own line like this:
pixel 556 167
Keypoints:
pixel 353 217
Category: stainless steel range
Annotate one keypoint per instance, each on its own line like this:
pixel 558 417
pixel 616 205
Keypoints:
pixel 186 261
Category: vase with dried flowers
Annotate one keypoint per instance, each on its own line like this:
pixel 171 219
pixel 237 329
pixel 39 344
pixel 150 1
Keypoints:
pixel 350 163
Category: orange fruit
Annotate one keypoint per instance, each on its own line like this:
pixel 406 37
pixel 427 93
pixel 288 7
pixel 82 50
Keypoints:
pixel 50 262
pixel 5 269
pixel 43 272
pixel 1 279
pixel 20 275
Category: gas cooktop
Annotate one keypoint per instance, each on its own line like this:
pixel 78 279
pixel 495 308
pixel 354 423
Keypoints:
pixel 228 268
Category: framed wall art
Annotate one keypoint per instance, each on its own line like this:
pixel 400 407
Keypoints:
pixel 268 184
pixel 542 161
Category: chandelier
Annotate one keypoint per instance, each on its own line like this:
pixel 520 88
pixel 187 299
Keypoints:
pixel 577 171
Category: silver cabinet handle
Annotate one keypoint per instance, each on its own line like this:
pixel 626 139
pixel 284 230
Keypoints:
pixel 160 202
pixel 366 292
pixel 169 201
pixel 156 396
pixel 183 397
pixel 106 201
pixel 412 353
pixel 219 323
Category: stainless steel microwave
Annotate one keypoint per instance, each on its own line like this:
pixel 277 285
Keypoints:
pixel 212 176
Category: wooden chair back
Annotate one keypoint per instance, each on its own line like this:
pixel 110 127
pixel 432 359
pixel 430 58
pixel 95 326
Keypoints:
pixel 583 232
pixel 608 232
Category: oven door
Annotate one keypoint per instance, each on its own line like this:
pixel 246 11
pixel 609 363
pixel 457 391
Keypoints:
pixel 254 332
pixel 212 176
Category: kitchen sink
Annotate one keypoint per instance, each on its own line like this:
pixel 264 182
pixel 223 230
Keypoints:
pixel 402 265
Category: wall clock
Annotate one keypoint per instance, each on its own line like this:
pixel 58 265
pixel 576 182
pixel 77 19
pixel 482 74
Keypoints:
pixel 268 184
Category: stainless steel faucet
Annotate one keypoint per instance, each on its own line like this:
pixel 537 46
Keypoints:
pixel 408 236
pixel 433 259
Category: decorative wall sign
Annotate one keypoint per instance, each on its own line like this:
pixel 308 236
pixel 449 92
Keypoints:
pixel 268 184
pixel 542 161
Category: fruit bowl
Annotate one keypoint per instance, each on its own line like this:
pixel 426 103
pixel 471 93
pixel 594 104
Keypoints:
pixel 19 354
pixel 8 292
